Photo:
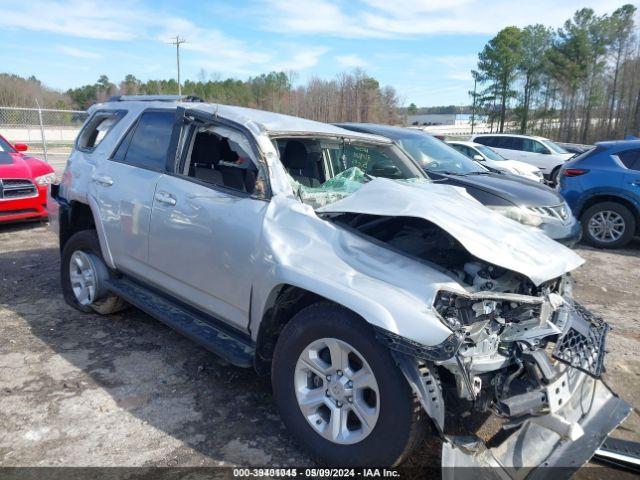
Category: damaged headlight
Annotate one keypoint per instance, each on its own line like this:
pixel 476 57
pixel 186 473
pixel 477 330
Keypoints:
pixel 519 214
pixel 460 311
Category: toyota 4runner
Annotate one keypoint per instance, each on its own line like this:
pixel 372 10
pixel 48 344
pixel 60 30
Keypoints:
pixel 383 306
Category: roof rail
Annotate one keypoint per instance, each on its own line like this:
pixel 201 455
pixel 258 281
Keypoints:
pixel 155 98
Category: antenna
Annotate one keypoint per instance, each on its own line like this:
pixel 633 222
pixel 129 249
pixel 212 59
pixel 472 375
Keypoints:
pixel 177 41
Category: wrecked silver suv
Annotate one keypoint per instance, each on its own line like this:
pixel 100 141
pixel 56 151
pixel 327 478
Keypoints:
pixel 379 302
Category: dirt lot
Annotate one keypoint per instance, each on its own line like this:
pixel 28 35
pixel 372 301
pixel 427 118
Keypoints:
pixel 80 390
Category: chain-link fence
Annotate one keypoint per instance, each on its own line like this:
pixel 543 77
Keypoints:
pixel 49 133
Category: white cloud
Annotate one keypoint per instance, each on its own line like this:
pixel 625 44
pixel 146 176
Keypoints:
pixel 352 61
pixel 402 18
pixel 300 58
pixel 310 17
pixel 76 52
pixel 128 21
pixel 456 67
pixel 77 18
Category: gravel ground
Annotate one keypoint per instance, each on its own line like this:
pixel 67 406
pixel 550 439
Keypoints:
pixel 85 390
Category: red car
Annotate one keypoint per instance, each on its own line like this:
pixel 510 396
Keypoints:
pixel 23 184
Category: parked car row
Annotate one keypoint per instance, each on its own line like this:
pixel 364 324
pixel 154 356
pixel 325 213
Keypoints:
pixel 496 162
pixel 606 201
pixel 601 184
pixel 527 202
pixel 538 151
pixel 357 270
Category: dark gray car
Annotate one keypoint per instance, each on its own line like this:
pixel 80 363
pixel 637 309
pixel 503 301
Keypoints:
pixel 530 203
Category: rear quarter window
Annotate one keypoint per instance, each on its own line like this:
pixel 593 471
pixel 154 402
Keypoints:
pixel 97 128
pixel 630 158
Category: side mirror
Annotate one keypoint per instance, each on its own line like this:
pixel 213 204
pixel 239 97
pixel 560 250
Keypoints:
pixel 478 158
pixel 21 147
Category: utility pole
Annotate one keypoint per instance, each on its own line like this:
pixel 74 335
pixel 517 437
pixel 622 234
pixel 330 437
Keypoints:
pixel 177 41
pixel 473 107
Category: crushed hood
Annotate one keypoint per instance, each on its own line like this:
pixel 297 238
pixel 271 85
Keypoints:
pixel 484 233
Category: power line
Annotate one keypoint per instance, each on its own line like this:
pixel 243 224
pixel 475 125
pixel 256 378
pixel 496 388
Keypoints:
pixel 177 41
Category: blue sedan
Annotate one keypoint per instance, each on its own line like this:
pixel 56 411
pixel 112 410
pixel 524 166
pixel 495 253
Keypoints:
pixel 602 187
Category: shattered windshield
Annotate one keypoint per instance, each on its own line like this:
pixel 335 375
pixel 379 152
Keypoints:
pixel 325 170
pixel 436 156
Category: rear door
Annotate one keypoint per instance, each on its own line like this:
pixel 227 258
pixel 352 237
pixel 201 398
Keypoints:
pixel 125 186
pixel 207 220
pixel 631 160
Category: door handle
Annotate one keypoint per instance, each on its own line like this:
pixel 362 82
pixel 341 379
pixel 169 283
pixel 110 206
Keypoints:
pixel 165 198
pixel 102 180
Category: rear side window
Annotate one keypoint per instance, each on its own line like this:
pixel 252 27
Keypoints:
pixel 630 158
pixel 146 145
pixel 534 146
pixel 97 128
pixel 489 141
pixel 463 149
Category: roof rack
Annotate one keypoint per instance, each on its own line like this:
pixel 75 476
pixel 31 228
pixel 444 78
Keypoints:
pixel 155 98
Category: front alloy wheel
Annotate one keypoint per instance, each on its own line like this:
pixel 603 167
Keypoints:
pixel 337 391
pixel 340 392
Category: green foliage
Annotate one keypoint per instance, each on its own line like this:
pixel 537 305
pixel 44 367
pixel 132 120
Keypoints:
pixel 572 82
pixel 498 63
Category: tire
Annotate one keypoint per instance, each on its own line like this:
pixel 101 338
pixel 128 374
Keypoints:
pixel 553 178
pixel 618 210
pixel 86 241
pixel 400 425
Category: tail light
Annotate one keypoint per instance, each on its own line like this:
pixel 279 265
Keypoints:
pixel 574 172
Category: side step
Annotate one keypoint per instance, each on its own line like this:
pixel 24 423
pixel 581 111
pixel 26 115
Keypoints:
pixel 212 334
pixel 619 453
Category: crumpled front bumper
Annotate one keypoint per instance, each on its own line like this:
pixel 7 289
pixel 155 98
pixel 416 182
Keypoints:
pixel 533 446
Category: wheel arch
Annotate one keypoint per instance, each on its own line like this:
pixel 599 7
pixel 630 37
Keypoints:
pixel 608 197
pixel 284 301
pixel 76 216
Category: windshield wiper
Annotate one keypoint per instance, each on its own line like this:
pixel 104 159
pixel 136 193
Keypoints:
pixel 476 173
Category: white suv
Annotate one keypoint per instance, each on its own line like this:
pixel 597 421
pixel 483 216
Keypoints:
pixel 378 301
pixel 538 151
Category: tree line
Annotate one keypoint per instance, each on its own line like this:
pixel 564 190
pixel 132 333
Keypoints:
pixel 579 83
pixel 351 96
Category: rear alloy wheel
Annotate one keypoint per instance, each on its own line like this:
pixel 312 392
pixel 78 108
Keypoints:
pixel 83 275
pixel 608 225
pixel 340 392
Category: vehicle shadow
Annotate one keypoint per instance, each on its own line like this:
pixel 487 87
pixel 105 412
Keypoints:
pixel 21 226
pixel 215 412
pixel 632 249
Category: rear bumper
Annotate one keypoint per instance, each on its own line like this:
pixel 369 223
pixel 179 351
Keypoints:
pixel 546 441
pixel 33 208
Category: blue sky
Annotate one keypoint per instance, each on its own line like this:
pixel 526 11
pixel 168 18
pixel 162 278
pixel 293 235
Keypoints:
pixel 423 48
